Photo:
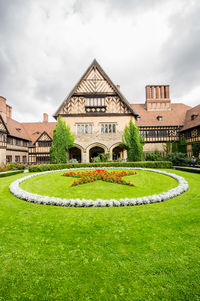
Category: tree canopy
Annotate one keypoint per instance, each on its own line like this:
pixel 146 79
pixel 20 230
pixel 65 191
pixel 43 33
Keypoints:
pixel 63 140
pixel 133 142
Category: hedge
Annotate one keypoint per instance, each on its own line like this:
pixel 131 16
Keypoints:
pixel 189 169
pixel 143 164
pixel 10 173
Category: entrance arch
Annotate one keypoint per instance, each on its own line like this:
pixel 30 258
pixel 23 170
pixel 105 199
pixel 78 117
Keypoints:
pixel 118 151
pixel 94 152
pixel 75 153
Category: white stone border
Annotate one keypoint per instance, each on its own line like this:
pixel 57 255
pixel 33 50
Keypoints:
pixel 46 200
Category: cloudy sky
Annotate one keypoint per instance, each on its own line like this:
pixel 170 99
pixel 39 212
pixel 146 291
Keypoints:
pixel 46 46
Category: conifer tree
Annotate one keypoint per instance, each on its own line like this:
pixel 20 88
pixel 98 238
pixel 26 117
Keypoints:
pixel 63 140
pixel 133 142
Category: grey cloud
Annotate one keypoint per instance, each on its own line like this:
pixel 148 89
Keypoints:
pixel 181 55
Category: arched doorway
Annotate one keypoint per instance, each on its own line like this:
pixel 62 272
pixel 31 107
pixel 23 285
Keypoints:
pixel 94 152
pixel 75 153
pixel 117 152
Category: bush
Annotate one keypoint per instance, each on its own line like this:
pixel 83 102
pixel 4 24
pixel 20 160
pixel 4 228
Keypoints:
pixel 179 159
pixel 155 156
pixel 10 173
pixel 73 161
pixel 189 169
pixel 121 160
pixel 143 164
pixel 12 166
pixel 97 159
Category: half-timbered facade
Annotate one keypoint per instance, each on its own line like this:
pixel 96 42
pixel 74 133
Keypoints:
pixel 191 129
pixel 97 113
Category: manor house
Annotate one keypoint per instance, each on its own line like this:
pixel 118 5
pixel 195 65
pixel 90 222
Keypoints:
pixel 97 113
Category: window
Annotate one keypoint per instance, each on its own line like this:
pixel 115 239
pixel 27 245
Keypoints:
pixel 43 159
pixel 96 102
pixel 9 140
pixel 25 143
pixel 108 128
pixel 160 118
pixel 84 129
pixel 24 159
pixel 194 116
pixel 18 142
pixel 17 159
pixel 9 159
pixel 2 137
pixel 138 118
pixel 44 143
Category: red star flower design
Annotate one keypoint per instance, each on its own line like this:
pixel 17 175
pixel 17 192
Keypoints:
pixel 84 177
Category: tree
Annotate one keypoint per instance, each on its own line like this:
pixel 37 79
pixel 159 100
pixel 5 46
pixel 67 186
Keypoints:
pixel 63 140
pixel 133 142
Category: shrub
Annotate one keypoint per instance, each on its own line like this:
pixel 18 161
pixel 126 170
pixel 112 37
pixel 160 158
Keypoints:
pixel 121 160
pixel 12 166
pixel 154 156
pixel 178 159
pixel 73 161
pixel 97 159
pixel 143 164
pixel 10 173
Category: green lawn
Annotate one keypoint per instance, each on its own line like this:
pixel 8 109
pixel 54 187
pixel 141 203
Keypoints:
pixel 148 252
pixel 145 183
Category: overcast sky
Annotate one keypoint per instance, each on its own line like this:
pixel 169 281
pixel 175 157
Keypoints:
pixel 46 46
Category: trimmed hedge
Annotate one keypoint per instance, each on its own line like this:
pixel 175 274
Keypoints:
pixel 10 173
pixel 188 169
pixel 143 164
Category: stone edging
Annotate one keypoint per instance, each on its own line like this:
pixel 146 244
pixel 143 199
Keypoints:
pixel 46 200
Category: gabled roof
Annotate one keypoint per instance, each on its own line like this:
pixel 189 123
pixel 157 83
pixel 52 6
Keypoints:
pixel 4 125
pixel 43 133
pixel 96 65
pixel 174 117
pixel 192 118
pixel 35 129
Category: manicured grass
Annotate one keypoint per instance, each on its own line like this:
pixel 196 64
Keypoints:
pixel 145 183
pixel 148 252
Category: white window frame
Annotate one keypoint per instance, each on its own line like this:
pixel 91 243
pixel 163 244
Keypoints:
pixel 83 128
pixel 108 128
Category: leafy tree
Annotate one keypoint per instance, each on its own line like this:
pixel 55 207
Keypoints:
pixel 63 140
pixel 133 142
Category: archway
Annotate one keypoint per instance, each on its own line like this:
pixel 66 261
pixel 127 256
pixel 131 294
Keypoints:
pixel 117 152
pixel 75 153
pixel 94 152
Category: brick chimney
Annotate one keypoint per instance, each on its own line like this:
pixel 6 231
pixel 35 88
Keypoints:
pixel 118 87
pixel 3 110
pixel 157 98
pixel 45 117
pixel 9 111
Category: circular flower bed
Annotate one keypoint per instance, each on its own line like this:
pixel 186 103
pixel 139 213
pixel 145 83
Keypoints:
pixel 46 200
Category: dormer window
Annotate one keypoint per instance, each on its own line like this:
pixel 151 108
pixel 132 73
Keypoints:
pixel 194 116
pixel 160 118
pixel 36 133
pixel 18 129
pixel 138 118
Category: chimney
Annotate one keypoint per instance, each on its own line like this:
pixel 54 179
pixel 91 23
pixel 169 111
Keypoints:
pixel 157 98
pixel 45 117
pixel 9 111
pixel 118 87
pixel 3 110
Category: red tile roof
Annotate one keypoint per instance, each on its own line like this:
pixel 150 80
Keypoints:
pixel 192 118
pixel 35 129
pixel 16 129
pixel 174 117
